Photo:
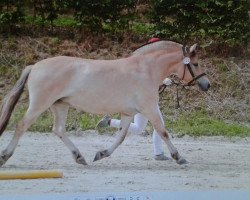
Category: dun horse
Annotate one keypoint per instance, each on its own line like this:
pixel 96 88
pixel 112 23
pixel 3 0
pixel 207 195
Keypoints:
pixel 102 87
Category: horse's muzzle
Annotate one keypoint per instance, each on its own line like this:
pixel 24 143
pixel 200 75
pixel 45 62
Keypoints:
pixel 204 84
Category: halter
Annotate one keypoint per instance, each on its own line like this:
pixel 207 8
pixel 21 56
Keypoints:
pixel 186 62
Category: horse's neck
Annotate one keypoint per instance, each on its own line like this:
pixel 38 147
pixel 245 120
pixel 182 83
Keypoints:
pixel 165 65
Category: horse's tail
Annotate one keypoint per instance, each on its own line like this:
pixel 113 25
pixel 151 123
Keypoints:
pixel 11 99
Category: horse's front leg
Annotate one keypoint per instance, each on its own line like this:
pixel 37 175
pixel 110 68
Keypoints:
pixel 125 122
pixel 155 117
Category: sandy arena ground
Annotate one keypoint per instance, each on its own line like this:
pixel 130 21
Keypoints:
pixel 214 164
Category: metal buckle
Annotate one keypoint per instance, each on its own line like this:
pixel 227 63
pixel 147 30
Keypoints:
pixel 186 60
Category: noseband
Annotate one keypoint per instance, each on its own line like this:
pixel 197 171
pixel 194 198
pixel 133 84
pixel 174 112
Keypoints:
pixel 186 62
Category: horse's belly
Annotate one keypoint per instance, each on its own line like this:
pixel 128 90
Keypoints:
pixel 98 105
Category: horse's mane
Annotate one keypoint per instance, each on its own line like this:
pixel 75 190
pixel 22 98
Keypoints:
pixel 160 45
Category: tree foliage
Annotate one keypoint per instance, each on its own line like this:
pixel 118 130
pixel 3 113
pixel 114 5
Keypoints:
pixel 214 20
pixel 94 13
pixel 11 13
pixel 218 19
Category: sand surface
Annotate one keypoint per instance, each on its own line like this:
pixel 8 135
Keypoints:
pixel 215 163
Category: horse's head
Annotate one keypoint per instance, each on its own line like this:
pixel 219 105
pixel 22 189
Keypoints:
pixel 187 70
pixel 191 72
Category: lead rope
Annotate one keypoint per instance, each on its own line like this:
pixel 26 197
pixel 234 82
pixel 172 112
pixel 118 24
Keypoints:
pixel 177 109
pixel 177 97
pixel 175 82
pixel 162 88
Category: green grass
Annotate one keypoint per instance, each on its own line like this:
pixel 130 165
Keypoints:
pixel 44 123
pixel 61 21
pixel 196 123
pixel 142 28
pixel 69 21
pixel 65 21
pixel 199 123
pixel 88 121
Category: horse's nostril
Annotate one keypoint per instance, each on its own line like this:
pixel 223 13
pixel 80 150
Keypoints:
pixel 208 85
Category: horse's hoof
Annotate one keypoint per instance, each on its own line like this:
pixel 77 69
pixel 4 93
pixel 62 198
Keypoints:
pixel 2 161
pixel 81 160
pixel 101 154
pixel 182 161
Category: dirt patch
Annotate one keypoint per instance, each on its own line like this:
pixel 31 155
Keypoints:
pixel 215 164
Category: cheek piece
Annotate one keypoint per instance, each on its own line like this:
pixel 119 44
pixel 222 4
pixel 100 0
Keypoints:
pixel 186 62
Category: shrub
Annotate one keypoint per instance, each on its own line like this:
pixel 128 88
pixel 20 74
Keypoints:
pixel 93 14
pixel 219 20
pixel 11 12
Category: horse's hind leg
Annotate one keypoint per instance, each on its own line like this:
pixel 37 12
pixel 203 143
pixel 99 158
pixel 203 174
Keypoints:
pixel 125 122
pixel 60 111
pixel 30 116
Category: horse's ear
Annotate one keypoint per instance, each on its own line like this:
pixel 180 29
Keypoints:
pixel 193 48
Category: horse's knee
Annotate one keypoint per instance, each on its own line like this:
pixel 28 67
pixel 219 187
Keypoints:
pixel 165 135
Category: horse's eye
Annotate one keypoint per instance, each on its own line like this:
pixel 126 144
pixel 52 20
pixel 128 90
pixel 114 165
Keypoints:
pixel 195 64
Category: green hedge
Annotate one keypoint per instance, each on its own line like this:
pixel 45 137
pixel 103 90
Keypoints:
pixel 90 14
pixel 94 14
pixel 11 13
pixel 212 20
pixel 227 21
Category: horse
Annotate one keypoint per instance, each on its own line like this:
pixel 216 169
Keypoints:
pixel 126 86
